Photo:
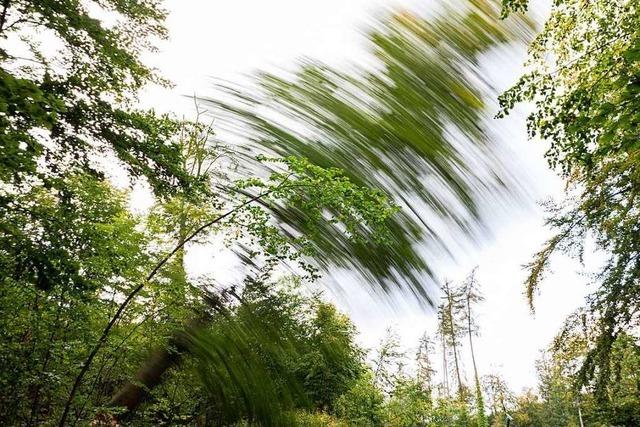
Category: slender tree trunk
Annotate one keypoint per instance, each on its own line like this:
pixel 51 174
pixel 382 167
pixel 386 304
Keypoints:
pixel 182 237
pixel 35 404
pixel 133 393
pixel 454 343
pixel 445 367
pixel 580 416
pixel 482 421
pixel 473 356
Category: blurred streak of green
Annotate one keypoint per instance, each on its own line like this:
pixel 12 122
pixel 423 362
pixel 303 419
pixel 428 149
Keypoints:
pixel 411 125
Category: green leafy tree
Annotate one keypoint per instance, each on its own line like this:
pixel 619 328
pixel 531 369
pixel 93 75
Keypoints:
pixel 332 362
pixel 392 128
pixel 51 312
pixel 99 307
pixel 557 393
pixel 361 405
pixel 562 368
pixel 389 362
pixel 527 410
pixel 68 81
pixel 409 405
pixel 499 399
pixel 275 352
pixel 68 102
pixel 450 412
pixel 582 77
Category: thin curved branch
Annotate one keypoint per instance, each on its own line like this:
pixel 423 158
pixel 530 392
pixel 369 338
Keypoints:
pixel 137 289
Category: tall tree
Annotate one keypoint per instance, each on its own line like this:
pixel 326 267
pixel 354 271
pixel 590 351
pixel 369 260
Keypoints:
pixel 65 103
pixel 425 369
pixel 392 128
pixel 389 362
pixel 472 297
pixel 68 81
pixel 453 329
pixel 582 77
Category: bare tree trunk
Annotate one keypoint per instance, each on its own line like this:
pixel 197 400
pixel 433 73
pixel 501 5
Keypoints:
pixel 479 399
pixel 445 367
pixel 473 356
pixel 453 341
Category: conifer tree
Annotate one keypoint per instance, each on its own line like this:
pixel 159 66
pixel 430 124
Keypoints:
pixel 472 297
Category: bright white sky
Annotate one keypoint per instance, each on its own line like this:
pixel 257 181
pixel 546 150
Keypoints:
pixel 228 39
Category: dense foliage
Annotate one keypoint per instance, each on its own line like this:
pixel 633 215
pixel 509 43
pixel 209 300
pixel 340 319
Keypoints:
pixel 583 78
pixel 89 288
pixel 103 323
pixel 413 125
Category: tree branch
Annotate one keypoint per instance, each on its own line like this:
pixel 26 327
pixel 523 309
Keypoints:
pixel 3 14
pixel 137 289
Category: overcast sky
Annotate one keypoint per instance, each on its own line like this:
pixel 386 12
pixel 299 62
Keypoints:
pixel 229 39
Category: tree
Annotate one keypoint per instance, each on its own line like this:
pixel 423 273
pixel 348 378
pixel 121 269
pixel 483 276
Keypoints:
pixel 310 189
pixel 389 362
pixel 67 237
pixel 362 404
pixel 528 410
pixel 562 367
pixel 99 305
pixel 425 369
pixel 557 393
pixel 332 362
pixel 452 329
pixel 450 412
pixel 560 399
pixel 499 399
pixel 582 78
pixel 70 103
pixel 109 256
pixel 473 296
pixel 275 351
pixel 409 405
pixel 95 250
pixel 390 129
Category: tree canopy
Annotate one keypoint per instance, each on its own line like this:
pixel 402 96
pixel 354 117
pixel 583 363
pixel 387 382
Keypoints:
pixel 412 126
pixel 582 77
pixel 367 169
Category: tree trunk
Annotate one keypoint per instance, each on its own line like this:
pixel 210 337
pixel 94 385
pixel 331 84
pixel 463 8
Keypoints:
pixel 133 393
pixel 149 375
pixel 473 356
pixel 445 368
pixel 482 421
pixel 453 342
